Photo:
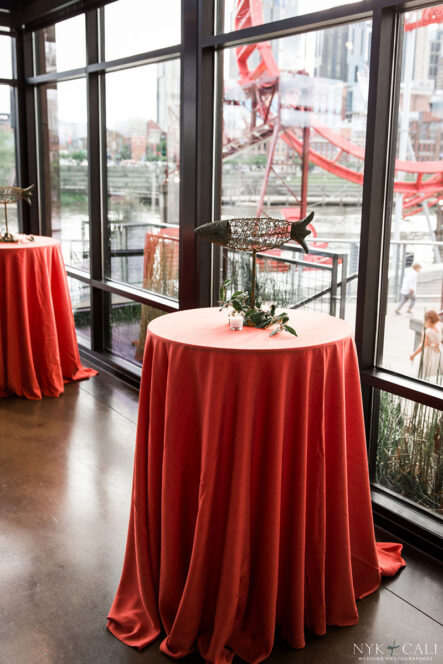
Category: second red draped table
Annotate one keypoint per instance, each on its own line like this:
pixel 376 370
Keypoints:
pixel 38 345
pixel 251 504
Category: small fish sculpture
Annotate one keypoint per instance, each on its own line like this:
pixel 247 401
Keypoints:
pixel 255 233
pixel 10 195
pixel 13 194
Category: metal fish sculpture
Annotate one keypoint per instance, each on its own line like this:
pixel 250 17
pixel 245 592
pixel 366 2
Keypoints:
pixel 13 194
pixel 10 195
pixel 255 233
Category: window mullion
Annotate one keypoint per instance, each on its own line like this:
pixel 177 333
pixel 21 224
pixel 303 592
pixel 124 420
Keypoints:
pixel 98 296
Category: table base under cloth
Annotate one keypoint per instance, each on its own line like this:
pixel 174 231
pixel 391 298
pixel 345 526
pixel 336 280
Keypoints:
pixel 38 344
pixel 249 509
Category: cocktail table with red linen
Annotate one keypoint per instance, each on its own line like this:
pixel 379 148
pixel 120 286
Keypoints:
pixel 251 505
pixel 38 346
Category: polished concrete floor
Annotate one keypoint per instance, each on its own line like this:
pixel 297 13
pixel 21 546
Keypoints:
pixel 66 467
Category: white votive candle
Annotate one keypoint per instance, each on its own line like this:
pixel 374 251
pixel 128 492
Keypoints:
pixel 236 323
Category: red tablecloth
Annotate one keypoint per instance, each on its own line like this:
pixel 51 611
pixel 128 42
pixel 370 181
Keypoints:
pixel 251 505
pixel 38 346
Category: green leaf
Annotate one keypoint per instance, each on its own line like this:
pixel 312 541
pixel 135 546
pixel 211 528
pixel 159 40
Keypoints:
pixel 237 305
pixel 237 293
pixel 290 329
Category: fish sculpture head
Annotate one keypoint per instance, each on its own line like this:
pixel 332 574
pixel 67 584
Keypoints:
pixel 10 194
pixel 217 232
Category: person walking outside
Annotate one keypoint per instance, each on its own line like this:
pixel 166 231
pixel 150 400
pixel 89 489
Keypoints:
pixel 409 287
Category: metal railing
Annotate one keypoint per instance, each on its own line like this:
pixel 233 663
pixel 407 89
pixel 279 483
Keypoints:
pixel 321 279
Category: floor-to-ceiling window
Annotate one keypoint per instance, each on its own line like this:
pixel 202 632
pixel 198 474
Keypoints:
pixel 410 433
pixel 345 120
pixel 293 142
pixel 150 123
pixel 108 137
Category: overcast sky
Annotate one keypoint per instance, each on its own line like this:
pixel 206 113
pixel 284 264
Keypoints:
pixel 130 27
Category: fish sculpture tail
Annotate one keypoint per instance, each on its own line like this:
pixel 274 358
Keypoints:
pixel 299 231
pixel 27 194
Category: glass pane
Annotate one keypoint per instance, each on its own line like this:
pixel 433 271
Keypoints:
pixel 412 340
pixel 409 452
pixel 81 307
pixel 7 152
pixel 129 322
pixel 5 57
pixel 294 142
pixel 64 145
pixel 60 47
pixel 142 112
pixel 238 14
pixel 134 26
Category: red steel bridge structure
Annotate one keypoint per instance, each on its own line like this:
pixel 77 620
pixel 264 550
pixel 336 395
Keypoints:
pixel 417 181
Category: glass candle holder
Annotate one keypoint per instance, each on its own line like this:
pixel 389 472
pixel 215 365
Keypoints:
pixel 236 323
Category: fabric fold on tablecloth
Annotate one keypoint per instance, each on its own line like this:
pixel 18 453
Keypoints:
pixel 222 467
pixel 389 558
pixel 38 344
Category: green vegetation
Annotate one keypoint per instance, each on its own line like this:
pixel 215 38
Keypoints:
pixel 79 155
pixel 125 152
pixel 76 201
pixel 125 313
pixel 82 318
pixel 268 288
pixel 255 315
pixel 249 160
pixel 409 452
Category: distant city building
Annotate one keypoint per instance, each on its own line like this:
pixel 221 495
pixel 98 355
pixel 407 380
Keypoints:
pixel 437 102
pixel 331 44
pixel 421 54
pixel 168 93
pixel 283 154
pixel 426 133
pixel 153 134
pixel 427 45
pixel 117 144
pixel 138 147
pixel 439 75
pixel 274 10
pixel 342 54
pixel 436 51
pixel 421 95
pixel 357 54
pixel 72 136
pixel 168 107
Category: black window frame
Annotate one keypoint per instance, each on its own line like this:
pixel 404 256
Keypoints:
pixel 200 150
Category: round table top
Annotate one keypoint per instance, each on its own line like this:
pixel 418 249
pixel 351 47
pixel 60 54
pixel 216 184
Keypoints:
pixel 208 328
pixel 39 241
